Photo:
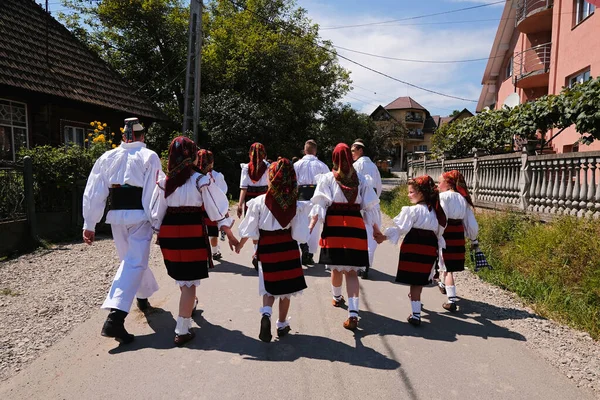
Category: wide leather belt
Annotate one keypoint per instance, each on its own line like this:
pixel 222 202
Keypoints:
pixel 306 192
pixel 125 197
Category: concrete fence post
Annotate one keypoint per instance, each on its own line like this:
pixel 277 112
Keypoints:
pixel 524 179
pixel 475 175
pixel 29 199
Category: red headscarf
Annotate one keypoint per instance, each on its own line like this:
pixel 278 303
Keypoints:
pixel 182 153
pixel 257 166
pixel 344 172
pixel 205 160
pixel 431 196
pixel 457 182
pixel 283 191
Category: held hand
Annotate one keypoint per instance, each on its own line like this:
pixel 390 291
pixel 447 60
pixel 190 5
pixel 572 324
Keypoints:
pixel 474 245
pixel 239 247
pixel 88 236
pixel 233 244
pixel 239 211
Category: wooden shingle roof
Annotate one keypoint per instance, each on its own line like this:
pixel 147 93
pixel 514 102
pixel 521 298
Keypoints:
pixel 66 68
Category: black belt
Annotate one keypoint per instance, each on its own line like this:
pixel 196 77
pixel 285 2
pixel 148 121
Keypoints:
pixel 257 189
pixel 306 192
pixel 125 198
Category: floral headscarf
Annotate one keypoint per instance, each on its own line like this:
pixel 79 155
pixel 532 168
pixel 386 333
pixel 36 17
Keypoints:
pixel 205 160
pixel 283 191
pixel 457 182
pixel 344 172
pixel 257 166
pixel 182 154
pixel 431 196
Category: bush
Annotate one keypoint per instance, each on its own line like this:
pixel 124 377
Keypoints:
pixel 392 202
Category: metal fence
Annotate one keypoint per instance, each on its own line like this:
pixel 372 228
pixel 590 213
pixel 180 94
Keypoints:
pixel 12 191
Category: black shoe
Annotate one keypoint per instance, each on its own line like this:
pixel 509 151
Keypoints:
pixel 114 327
pixel 304 259
pixel 281 332
pixel 365 274
pixel 450 307
pixel 143 304
pixel 180 340
pixel 222 236
pixel 265 329
pixel 255 262
pixel 413 321
pixel 217 256
pixel 310 260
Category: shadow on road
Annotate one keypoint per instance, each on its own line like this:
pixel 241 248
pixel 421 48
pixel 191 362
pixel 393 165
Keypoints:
pixel 232 268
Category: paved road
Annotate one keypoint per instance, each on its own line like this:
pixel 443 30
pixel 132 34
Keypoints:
pixel 462 356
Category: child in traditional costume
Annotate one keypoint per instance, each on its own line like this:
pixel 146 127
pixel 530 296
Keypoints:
pixel 206 161
pixel 423 224
pixel 253 183
pixel 339 198
pixel 178 203
pixel 458 206
pixel 277 223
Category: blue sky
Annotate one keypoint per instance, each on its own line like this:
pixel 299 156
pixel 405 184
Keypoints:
pixel 454 36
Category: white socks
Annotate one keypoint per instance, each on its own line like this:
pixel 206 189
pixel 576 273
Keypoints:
pixel 451 293
pixel 183 326
pixel 266 310
pixel 281 325
pixel 336 291
pixel 353 307
pixel 416 309
pixel 214 249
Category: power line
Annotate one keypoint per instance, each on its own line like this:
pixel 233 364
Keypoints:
pixel 355 62
pixel 415 17
pixel 413 60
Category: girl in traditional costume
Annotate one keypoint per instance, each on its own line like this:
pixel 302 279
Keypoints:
pixel 206 161
pixel 423 224
pixel 177 208
pixel 253 183
pixel 339 198
pixel 458 206
pixel 277 223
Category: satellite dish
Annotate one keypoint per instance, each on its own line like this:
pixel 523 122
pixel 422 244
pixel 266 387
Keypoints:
pixel 512 100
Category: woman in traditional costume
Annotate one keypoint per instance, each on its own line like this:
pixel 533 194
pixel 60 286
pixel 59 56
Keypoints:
pixel 339 198
pixel 458 206
pixel 277 223
pixel 177 209
pixel 423 224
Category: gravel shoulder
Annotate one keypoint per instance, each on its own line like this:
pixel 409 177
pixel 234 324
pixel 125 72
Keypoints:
pixel 46 294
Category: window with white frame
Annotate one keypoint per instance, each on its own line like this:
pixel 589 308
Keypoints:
pixel 77 133
pixel 582 10
pixel 13 128
pixel 509 69
pixel 420 148
pixel 580 77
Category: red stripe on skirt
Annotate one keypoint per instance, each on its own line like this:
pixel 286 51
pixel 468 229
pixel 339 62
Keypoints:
pixel 454 228
pixel 344 243
pixel 420 249
pixel 345 221
pixel 411 266
pixel 272 258
pixel 185 255
pixel 453 256
pixel 282 275
pixel 275 239
pixel 455 242
pixel 181 231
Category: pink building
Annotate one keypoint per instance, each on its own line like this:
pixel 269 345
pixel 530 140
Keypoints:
pixel 540 47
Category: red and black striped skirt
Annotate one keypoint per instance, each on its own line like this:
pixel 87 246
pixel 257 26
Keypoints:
pixel 281 264
pixel 344 237
pixel 418 252
pixel 184 244
pixel 211 226
pixel 454 253
pixel 253 192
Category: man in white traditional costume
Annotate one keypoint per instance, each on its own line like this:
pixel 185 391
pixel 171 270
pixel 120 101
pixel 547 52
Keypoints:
pixel 364 166
pixel 307 170
pixel 127 176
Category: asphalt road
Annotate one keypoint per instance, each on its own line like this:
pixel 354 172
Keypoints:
pixel 462 356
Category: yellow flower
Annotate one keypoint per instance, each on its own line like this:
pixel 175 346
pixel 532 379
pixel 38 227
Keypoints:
pixel 90 135
pixel 112 134
pixel 122 129
pixel 100 128
pixel 114 146
pixel 104 125
pixel 91 123
pixel 95 130
pixel 86 140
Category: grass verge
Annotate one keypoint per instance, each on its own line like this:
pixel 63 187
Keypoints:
pixel 553 266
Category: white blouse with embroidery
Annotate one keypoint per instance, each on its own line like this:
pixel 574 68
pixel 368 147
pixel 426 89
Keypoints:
pixel 418 216
pixel 198 190
pixel 456 207
pixel 245 180
pixel 219 179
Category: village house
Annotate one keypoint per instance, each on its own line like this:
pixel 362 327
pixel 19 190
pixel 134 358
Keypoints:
pixel 52 86
pixel 542 46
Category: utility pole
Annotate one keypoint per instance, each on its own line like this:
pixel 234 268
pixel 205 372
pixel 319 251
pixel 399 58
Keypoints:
pixel 191 103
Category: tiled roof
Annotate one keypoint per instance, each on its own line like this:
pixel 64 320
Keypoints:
pixel 73 72
pixel 403 103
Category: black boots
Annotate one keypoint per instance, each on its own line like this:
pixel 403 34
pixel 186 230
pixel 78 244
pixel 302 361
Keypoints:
pixel 307 257
pixel 143 304
pixel 114 327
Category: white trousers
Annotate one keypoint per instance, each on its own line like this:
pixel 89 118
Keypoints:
pixel 133 276
pixel 371 243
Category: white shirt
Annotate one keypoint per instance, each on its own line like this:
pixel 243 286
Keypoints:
pixel 307 169
pixel 418 216
pixel 245 180
pixel 456 207
pixel 260 217
pixel 219 179
pixel 129 164
pixel 198 190
pixel 328 191
pixel 365 166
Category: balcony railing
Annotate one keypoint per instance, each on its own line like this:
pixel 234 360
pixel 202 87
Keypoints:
pixel 527 7
pixel 414 118
pixel 415 134
pixel 534 60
